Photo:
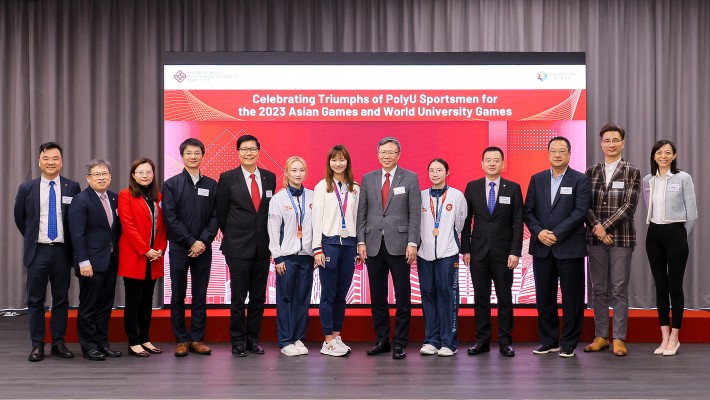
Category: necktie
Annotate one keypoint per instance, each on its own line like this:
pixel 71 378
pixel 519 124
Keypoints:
pixel 255 195
pixel 52 216
pixel 107 208
pixel 491 197
pixel 385 190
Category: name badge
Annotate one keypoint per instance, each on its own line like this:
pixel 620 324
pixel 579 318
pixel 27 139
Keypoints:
pixel 674 187
pixel 617 185
pixel 203 192
pixel 566 190
pixel 269 194
pixel 504 199
pixel 399 190
pixel 66 199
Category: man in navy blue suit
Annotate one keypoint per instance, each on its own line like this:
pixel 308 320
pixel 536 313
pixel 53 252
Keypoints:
pixel 95 229
pixel 41 217
pixel 555 208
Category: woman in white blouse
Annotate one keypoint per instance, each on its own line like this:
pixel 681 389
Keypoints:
pixel 444 210
pixel 670 197
pixel 335 244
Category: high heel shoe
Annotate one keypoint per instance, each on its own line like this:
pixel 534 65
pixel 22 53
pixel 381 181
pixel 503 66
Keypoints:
pixel 659 351
pixel 672 352
pixel 153 350
pixel 137 353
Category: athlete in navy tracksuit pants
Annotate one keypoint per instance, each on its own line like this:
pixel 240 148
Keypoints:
pixel 335 205
pixel 290 237
pixel 443 214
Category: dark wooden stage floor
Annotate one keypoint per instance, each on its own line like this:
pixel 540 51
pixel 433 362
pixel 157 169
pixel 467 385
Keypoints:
pixel 597 375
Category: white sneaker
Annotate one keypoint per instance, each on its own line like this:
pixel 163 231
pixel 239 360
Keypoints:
pixel 290 350
pixel 428 349
pixel 339 340
pixel 333 349
pixel 302 349
pixel 447 352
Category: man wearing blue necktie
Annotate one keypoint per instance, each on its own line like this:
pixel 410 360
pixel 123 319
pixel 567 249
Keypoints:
pixel 493 248
pixel 41 217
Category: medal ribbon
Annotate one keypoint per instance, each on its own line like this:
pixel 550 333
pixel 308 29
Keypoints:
pixel 439 209
pixel 299 216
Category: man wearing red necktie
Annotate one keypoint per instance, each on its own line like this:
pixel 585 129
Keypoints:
pixel 242 204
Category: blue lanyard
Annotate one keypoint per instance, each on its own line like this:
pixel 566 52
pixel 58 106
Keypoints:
pixel 299 216
pixel 342 205
pixel 439 208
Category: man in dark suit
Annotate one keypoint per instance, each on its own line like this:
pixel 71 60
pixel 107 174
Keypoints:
pixel 189 214
pixel 493 249
pixel 242 205
pixel 556 206
pixel 388 219
pixel 95 230
pixel 41 217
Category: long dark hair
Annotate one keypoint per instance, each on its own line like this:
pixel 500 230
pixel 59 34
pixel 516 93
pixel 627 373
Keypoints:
pixel 339 150
pixel 656 147
pixel 135 188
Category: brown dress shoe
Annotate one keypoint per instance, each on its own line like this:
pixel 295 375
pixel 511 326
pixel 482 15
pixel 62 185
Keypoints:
pixel 619 348
pixel 182 349
pixel 200 348
pixel 598 344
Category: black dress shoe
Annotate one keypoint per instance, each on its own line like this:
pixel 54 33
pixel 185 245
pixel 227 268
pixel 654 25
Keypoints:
pixel 60 350
pixel 254 347
pixel 137 353
pixel 94 355
pixel 398 352
pixel 478 348
pixel 110 353
pixel 154 350
pixel 507 350
pixel 239 350
pixel 37 353
pixel 379 348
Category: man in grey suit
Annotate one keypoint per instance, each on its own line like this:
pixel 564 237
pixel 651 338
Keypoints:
pixel 388 221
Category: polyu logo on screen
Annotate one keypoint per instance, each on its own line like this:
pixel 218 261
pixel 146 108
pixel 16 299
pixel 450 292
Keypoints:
pixel 180 76
pixel 542 76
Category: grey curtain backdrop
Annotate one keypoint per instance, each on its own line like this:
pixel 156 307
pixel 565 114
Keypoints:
pixel 87 74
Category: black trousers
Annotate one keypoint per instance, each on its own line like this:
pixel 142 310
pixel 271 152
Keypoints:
pixel 248 276
pixel 95 304
pixel 570 272
pixel 139 308
pixel 482 273
pixel 49 265
pixel 378 267
pixel 199 268
pixel 667 250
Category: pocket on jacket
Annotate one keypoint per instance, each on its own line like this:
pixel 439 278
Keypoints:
pixel 403 229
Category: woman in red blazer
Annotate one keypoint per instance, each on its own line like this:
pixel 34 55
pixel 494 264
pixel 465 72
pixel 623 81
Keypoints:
pixel 141 248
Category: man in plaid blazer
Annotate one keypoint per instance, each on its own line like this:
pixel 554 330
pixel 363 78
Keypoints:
pixel 611 238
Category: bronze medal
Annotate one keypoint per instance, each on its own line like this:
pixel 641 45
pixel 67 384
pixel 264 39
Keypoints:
pixel 435 231
pixel 299 234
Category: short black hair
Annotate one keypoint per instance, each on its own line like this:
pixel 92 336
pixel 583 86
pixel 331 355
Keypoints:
pixel 441 161
pixel 248 138
pixel 656 147
pixel 562 138
pixel 192 142
pixel 612 128
pixel 50 145
pixel 493 148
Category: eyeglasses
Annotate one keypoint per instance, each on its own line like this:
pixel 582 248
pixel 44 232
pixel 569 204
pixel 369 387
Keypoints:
pixel 245 150
pixel 97 175
pixel 607 142
pixel 144 173
pixel 561 152
pixel 387 153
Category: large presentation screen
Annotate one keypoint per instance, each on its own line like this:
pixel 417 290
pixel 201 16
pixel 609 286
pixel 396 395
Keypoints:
pixel 447 105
